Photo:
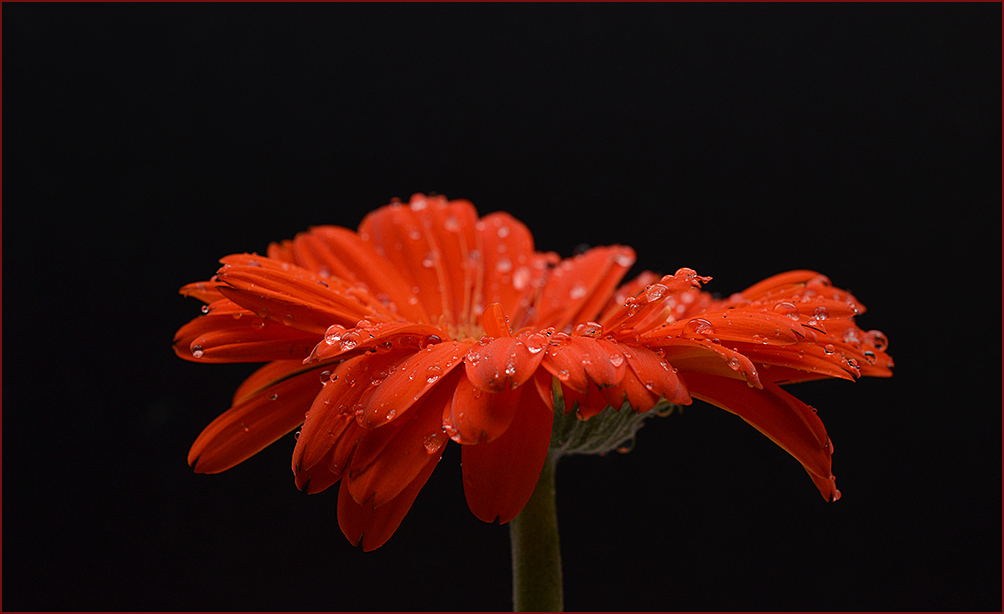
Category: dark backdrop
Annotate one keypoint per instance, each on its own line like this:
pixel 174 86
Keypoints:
pixel 143 142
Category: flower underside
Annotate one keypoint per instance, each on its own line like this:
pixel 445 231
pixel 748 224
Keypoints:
pixel 430 324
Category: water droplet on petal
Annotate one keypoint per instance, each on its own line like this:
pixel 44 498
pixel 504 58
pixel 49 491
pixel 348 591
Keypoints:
pixel 828 348
pixel 698 327
pixel 878 339
pixel 504 265
pixel 333 334
pixel 205 309
pixel 735 364
pixel 616 359
pixel 197 351
pixel 787 309
pixel 563 375
pixel 535 343
pixel 654 292
pixel 820 313
pixel 433 373
pixel 503 232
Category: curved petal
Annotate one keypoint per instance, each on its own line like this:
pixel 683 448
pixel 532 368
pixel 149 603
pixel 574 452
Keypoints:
pixel 511 270
pixel 506 362
pixel 413 377
pixel 229 333
pixel 332 416
pixel 371 527
pixel 333 251
pixel 475 416
pixel 388 458
pixel 784 419
pixel 578 288
pixel 707 357
pixel 406 236
pixel 499 476
pixel 297 298
pixel 248 427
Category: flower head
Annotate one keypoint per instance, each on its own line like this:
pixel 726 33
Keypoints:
pixel 432 324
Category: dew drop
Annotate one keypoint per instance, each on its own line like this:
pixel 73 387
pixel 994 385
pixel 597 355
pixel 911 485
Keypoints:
pixel 734 364
pixel 698 327
pixel 820 313
pixel 878 339
pixel 333 334
pixel 654 292
pixel 616 359
pixel 197 351
pixel 429 261
pixel 205 309
pixel 510 369
pixel 535 343
pixel 563 375
pixel 433 442
pixel 325 377
pixel 503 232
pixel 273 397
pixel 433 373
pixel 828 348
pixel 287 319
pixel 787 309
pixel 504 265
pixel 869 356
pixel 578 291
pixel 296 435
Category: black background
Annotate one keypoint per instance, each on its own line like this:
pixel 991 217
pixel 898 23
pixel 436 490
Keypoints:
pixel 143 142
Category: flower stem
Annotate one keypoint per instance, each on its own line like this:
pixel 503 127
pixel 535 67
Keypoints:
pixel 536 551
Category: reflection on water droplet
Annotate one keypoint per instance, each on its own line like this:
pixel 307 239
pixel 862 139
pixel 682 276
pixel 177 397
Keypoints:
pixel 828 348
pixel 734 364
pixel 878 339
pixel 578 291
pixel 820 313
pixel 787 309
pixel 197 351
pixel 698 327
pixel 563 375
pixel 333 334
pixel 616 359
pixel 535 343
pixel 433 373
pixel 205 309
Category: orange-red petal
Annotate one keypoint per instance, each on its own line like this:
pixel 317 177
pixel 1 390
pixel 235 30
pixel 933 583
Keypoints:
pixel 388 458
pixel 371 527
pixel 500 475
pixel 499 364
pixel 474 415
pixel 248 427
pixel 788 422
pixel 413 377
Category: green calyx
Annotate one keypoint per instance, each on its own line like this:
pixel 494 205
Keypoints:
pixel 611 429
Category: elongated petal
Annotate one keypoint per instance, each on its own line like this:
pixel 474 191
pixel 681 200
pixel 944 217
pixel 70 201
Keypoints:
pixel 788 422
pixel 387 459
pixel 499 476
pixel 475 416
pixel 222 337
pixel 383 336
pixel 706 357
pixel 407 238
pixel 247 428
pixel 332 251
pixel 510 268
pixel 504 363
pixel 412 378
pixel 332 415
pixel 371 527
pixel 578 288
pixel 655 375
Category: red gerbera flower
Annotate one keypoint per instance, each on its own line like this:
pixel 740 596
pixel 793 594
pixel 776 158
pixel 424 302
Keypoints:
pixel 431 324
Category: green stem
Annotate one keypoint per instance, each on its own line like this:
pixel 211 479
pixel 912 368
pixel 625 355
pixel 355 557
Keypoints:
pixel 536 551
